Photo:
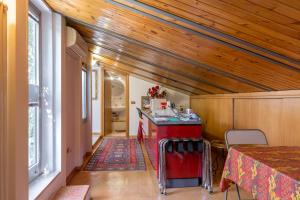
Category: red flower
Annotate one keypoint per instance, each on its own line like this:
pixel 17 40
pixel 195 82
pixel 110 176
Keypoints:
pixel 155 92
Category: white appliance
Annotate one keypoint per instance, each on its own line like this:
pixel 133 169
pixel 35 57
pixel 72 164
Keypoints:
pixel 155 104
pixel 76 43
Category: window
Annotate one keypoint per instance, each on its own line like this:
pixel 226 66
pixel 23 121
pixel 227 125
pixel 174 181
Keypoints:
pixel 42 132
pixel 34 117
pixel 45 30
pixel 84 93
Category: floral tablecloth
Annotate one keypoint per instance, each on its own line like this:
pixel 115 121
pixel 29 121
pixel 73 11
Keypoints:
pixel 269 173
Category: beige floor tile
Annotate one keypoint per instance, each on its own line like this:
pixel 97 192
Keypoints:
pixel 141 185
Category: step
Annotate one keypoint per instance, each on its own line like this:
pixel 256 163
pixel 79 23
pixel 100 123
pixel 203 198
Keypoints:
pixel 73 192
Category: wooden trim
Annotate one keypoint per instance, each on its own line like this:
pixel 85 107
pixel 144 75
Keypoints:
pixel 87 159
pixel 3 138
pixel 87 154
pixel 127 104
pixel 102 102
pixel 94 147
pixel 72 174
pixel 262 95
pixel 123 73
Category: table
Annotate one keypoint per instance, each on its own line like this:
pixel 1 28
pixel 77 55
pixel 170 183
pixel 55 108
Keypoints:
pixel 183 169
pixel 266 172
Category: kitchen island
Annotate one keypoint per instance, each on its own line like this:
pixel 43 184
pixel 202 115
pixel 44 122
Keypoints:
pixel 184 168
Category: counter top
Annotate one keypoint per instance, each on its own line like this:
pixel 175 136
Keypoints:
pixel 169 120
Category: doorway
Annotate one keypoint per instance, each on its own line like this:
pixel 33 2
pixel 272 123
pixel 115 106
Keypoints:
pixel 115 103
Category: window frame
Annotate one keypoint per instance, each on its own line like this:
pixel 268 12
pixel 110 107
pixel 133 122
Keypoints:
pixel 84 116
pixel 35 171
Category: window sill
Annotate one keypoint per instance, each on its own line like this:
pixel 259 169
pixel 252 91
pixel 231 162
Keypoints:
pixel 37 186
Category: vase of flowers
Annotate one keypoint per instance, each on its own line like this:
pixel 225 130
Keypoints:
pixel 156 92
pixel 157 96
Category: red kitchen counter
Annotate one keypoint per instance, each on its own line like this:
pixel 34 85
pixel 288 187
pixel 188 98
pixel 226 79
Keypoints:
pixel 185 166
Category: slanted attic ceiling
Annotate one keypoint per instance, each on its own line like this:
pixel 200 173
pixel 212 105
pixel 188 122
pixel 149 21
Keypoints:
pixel 196 46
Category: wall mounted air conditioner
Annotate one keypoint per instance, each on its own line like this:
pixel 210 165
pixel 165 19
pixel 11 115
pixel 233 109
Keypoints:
pixel 76 43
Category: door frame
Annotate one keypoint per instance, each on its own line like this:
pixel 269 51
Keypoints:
pixel 3 107
pixel 126 75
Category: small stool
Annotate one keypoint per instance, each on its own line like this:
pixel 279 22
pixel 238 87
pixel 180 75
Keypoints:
pixel 74 192
pixel 219 147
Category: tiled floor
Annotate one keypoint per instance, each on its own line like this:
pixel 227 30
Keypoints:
pixel 141 185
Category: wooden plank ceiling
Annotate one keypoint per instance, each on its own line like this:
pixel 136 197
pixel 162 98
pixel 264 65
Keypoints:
pixel 196 46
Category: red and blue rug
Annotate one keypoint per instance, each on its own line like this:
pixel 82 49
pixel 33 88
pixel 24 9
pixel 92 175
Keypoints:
pixel 117 154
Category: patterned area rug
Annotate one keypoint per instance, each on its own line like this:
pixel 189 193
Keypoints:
pixel 117 154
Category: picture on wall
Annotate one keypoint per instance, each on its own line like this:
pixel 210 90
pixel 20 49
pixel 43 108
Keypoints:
pixel 145 102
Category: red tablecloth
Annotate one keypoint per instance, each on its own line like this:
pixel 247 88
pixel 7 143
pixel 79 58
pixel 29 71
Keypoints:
pixel 266 172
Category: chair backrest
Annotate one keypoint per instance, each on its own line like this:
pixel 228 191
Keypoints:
pixel 245 136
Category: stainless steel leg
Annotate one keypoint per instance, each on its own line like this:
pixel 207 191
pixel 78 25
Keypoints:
pixel 226 194
pixel 207 175
pixel 238 191
pixel 210 189
pixel 162 166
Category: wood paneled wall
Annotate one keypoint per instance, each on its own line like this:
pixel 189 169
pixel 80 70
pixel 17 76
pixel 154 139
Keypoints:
pixel 275 113
pixel 216 114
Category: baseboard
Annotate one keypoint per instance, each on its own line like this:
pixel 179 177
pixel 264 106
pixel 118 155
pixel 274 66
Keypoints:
pixel 96 133
pixel 87 154
pixel 77 169
pixel 72 174
pixel 97 143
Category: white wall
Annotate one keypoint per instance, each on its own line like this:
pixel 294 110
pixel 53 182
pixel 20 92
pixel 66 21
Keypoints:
pixel 78 131
pixel 138 88
pixel 96 106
